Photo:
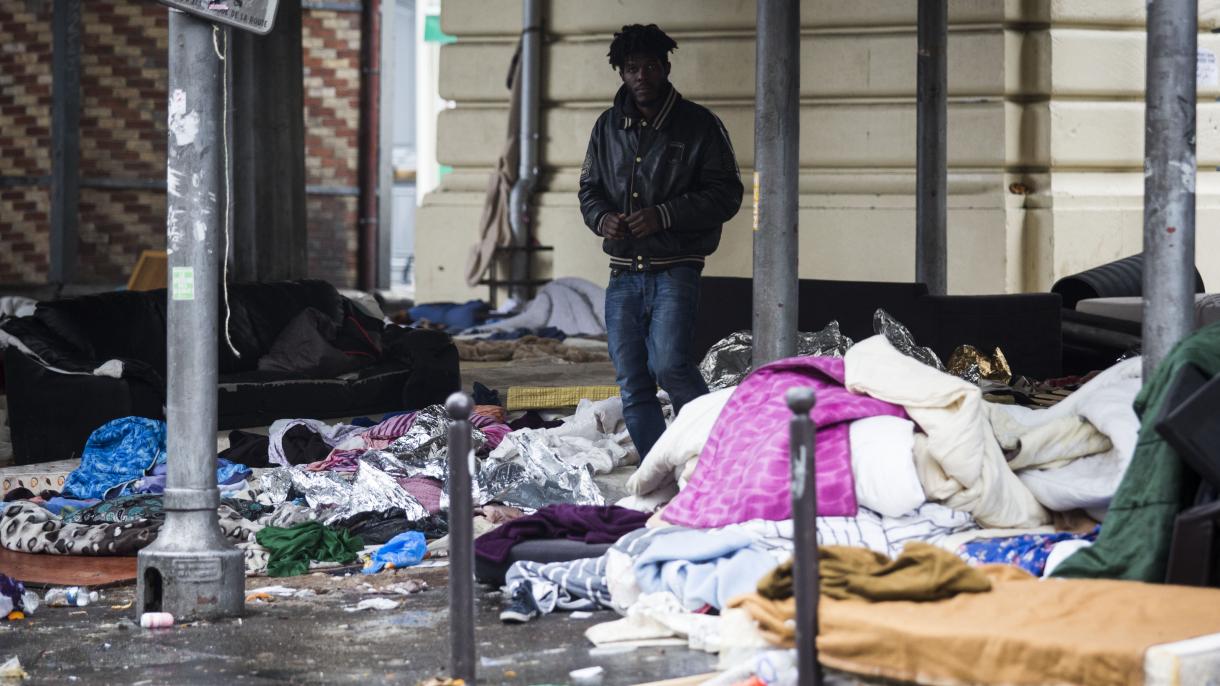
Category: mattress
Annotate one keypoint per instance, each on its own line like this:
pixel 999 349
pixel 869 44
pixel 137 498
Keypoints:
pixel 1207 308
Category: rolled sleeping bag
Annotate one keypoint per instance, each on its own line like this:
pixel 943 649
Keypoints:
pixel 1122 278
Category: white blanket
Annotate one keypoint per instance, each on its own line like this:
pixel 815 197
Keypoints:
pixel 574 306
pixel 680 444
pixel 883 464
pixel 958 459
pixel 1074 454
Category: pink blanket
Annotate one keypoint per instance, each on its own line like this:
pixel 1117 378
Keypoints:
pixel 744 470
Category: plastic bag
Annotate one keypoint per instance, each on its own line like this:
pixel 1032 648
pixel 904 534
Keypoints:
pixel 404 550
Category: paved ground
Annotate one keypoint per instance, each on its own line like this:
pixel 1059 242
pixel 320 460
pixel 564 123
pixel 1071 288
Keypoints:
pixel 314 641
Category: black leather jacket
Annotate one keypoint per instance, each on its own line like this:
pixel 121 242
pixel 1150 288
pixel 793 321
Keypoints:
pixel 682 163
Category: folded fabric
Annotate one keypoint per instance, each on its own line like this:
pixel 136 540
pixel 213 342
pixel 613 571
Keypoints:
pixel 116 453
pixel 922 572
pixel 292 549
pixel 883 465
pixel 1135 537
pixel 588 523
pixel 681 442
pixel 1029 552
pixel 958 459
pixel 744 470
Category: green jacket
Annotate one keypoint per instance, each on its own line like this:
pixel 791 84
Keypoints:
pixel 1134 540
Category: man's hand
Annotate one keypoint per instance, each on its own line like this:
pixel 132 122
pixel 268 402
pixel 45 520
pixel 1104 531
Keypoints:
pixel 644 222
pixel 614 226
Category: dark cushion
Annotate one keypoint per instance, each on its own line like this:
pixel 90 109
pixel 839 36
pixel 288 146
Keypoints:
pixel 538 550
pixel 258 398
pixel 122 324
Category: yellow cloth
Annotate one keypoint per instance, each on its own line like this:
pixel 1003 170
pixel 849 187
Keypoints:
pixel 921 572
pixel 547 397
pixel 1025 631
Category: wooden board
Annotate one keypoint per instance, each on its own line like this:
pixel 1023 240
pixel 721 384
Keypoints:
pixel 150 272
pixel 67 570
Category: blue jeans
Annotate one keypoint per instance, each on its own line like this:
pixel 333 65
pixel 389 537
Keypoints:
pixel 650 322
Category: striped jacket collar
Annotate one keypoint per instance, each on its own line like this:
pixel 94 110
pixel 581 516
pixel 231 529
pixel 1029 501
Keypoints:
pixel 629 115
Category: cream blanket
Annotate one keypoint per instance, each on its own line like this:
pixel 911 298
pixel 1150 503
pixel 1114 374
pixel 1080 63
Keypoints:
pixel 958 459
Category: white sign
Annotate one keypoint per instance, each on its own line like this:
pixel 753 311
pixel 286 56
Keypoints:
pixel 1206 73
pixel 251 15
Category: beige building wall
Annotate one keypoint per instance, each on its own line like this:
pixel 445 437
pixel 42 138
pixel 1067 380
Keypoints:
pixel 1045 134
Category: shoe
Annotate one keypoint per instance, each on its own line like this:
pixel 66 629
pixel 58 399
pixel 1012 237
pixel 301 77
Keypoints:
pixel 521 606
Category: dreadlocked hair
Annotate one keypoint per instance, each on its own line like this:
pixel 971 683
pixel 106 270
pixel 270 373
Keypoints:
pixel 637 39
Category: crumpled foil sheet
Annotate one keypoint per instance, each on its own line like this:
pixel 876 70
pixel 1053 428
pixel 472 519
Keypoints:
pixel 335 496
pixel 729 360
pixel 534 477
pixel 426 444
pixel 969 363
pixel 900 337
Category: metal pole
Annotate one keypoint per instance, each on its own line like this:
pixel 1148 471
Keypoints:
pixel 776 171
pixel 65 140
pixel 931 174
pixel 1169 178
pixel 461 540
pixel 191 571
pixel 527 168
pixel 370 144
pixel 805 581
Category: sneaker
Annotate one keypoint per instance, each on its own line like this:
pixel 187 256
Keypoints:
pixel 521 606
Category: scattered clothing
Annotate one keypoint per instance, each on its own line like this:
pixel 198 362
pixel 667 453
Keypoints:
pixel 591 524
pixel 596 435
pixel 227 474
pixel 1135 537
pixel 116 454
pixel 249 449
pixel 293 548
pixel 332 435
pixel 744 471
pixel 132 508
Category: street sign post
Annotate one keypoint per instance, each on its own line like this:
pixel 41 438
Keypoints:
pixel 256 16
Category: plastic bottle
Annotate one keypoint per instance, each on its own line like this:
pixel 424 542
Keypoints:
pixel 73 596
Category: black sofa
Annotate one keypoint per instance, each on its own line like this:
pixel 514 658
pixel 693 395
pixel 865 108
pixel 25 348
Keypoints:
pixel 1025 326
pixel 57 397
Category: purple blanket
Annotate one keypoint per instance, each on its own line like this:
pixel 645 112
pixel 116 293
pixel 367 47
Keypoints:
pixel 588 523
pixel 744 469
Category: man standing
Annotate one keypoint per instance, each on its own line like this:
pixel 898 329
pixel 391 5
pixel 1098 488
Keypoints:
pixel 658 181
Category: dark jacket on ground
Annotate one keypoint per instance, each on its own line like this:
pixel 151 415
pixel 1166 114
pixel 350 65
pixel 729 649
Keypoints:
pixel 682 163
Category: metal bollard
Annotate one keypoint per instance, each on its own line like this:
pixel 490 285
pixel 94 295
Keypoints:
pixel 805 533
pixel 461 540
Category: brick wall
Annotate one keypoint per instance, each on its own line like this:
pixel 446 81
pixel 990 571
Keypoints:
pixel 25 138
pixel 331 46
pixel 123 93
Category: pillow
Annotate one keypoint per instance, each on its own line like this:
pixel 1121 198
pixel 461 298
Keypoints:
pixel 883 463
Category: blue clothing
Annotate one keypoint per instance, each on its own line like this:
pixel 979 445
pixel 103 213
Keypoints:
pixel 650 324
pixel 1028 551
pixel 454 316
pixel 117 453
pixel 227 474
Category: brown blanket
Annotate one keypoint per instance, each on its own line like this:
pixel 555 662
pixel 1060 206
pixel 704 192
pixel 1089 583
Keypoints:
pixel 1024 631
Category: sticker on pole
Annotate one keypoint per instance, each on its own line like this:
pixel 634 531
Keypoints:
pixel 756 185
pixel 256 16
pixel 182 283
pixel 1206 74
